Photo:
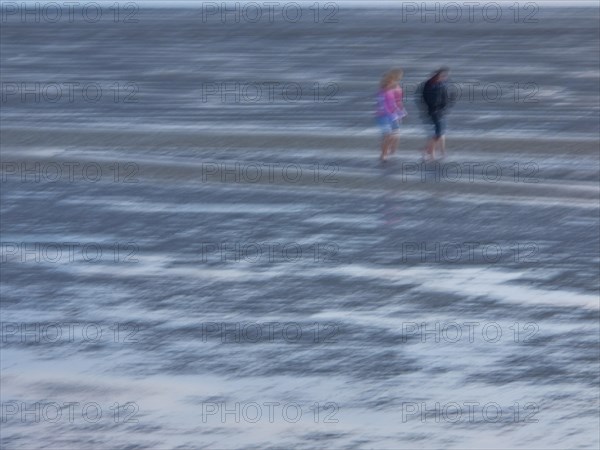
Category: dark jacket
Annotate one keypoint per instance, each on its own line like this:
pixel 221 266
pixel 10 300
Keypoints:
pixel 435 97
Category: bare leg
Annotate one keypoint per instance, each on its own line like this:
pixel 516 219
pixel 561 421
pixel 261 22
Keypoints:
pixel 385 144
pixel 395 141
pixel 425 152
pixel 430 150
pixel 442 145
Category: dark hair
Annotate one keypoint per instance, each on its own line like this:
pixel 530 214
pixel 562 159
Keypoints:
pixel 441 70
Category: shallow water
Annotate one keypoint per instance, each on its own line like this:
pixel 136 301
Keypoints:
pixel 323 301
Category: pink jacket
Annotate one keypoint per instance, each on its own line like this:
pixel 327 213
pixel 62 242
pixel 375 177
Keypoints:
pixel 389 103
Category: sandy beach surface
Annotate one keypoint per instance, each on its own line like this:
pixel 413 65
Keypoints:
pixel 221 274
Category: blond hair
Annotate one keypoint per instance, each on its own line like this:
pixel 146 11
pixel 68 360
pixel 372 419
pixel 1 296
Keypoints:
pixel 391 77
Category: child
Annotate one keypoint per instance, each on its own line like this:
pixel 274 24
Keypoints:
pixel 437 101
pixel 390 111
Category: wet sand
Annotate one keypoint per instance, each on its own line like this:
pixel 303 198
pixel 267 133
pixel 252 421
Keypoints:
pixel 364 259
